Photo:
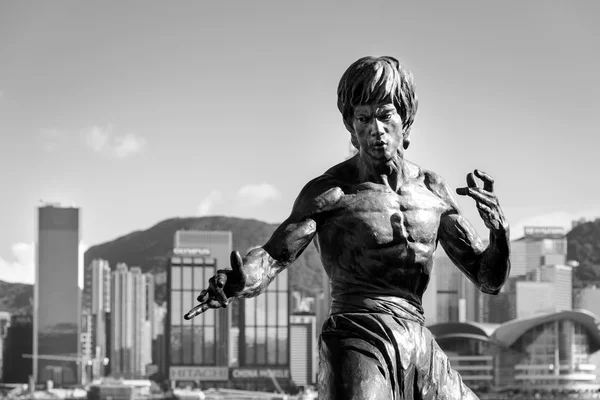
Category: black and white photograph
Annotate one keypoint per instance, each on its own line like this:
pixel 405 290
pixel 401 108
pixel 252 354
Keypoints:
pixel 299 200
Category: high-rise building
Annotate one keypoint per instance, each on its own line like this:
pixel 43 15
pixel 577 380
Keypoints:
pixel 197 350
pixel 540 246
pixel 589 299
pixel 131 327
pixel 450 295
pixel 121 321
pixel 96 303
pixel 17 345
pixel 159 357
pixel 539 279
pixel 545 289
pixel 57 297
pixel 4 325
pixel 561 277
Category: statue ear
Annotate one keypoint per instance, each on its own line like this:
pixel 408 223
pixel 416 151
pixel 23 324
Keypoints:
pixel 406 141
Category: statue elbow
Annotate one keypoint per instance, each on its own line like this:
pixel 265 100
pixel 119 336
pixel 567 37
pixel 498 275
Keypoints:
pixel 490 291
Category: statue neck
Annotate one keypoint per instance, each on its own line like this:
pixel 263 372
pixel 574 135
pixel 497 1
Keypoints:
pixel 385 172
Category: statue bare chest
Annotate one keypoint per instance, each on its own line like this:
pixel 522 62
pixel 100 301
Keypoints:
pixel 374 216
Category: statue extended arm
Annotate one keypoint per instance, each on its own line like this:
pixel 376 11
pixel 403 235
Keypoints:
pixel 261 265
pixel 487 267
pixel 250 276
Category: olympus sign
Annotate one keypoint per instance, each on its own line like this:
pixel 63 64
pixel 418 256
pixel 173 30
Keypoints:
pixel 191 252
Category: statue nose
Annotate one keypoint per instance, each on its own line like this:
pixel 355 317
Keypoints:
pixel 377 128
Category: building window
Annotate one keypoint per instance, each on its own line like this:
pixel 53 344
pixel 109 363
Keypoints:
pixel 266 327
pixel 192 342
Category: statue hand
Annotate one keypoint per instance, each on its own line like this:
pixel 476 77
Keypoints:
pixel 222 288
pixel 487 202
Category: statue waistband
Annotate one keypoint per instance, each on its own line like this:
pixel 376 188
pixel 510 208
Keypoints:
pixel 366 303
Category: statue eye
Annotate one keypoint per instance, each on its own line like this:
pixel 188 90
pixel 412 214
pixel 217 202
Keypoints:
pixel 363 119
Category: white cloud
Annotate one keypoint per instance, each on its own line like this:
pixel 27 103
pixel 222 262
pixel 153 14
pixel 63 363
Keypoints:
pixel 255 194
pixel 127 145
pixel 52 139
pixel 97 137
pixel 104 140
pixel 559 218
pixel 209 202
pixel 22 268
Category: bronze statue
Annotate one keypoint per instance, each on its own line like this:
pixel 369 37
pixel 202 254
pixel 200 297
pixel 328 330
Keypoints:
pixel 377 219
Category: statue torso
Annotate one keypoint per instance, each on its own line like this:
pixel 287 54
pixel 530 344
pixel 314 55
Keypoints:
pixel 380 241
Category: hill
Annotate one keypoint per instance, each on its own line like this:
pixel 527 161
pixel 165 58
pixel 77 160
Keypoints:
pixel 148 249
pixel 16 297
pixel 583 246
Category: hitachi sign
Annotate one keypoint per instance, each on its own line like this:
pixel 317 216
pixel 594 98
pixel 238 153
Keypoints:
pixel 182 251
pixel 199 373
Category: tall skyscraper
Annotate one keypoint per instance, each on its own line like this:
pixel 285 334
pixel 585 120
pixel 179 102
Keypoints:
pixel 131 328
pixel 96 303
pixel 57 298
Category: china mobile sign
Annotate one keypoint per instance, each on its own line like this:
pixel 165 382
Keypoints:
pixel 254 373
pixel 199 373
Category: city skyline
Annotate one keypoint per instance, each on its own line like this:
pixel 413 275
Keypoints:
pixel 116 108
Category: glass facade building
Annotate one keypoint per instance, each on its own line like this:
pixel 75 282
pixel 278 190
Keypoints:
pixel 57 299
pixel 553 353
pixel 197 350
pixel 538 353
pixel 192 342
pixel 266 326
pixel 264 350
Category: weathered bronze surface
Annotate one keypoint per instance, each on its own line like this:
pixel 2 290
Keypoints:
pixel 377 219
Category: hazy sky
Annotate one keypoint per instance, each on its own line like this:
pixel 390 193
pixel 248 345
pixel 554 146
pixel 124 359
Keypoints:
pixel 141 111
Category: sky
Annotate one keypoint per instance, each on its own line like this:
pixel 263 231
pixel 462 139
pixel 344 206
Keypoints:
pixel 141 111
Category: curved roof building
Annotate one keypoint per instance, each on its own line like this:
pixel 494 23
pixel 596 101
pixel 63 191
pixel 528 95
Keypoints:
pixel 540 352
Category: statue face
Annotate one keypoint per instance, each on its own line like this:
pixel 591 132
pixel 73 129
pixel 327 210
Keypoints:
pixel 378 130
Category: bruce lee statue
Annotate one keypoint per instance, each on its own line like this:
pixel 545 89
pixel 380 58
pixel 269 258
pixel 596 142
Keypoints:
pixel 377 219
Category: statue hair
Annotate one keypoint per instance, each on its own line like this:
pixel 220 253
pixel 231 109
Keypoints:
pixel 375 79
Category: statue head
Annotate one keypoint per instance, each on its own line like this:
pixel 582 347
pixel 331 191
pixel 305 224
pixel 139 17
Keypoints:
pixel 373 80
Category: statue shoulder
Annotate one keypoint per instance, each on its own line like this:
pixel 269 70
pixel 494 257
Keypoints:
pixel 437 185
pixel 318 195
